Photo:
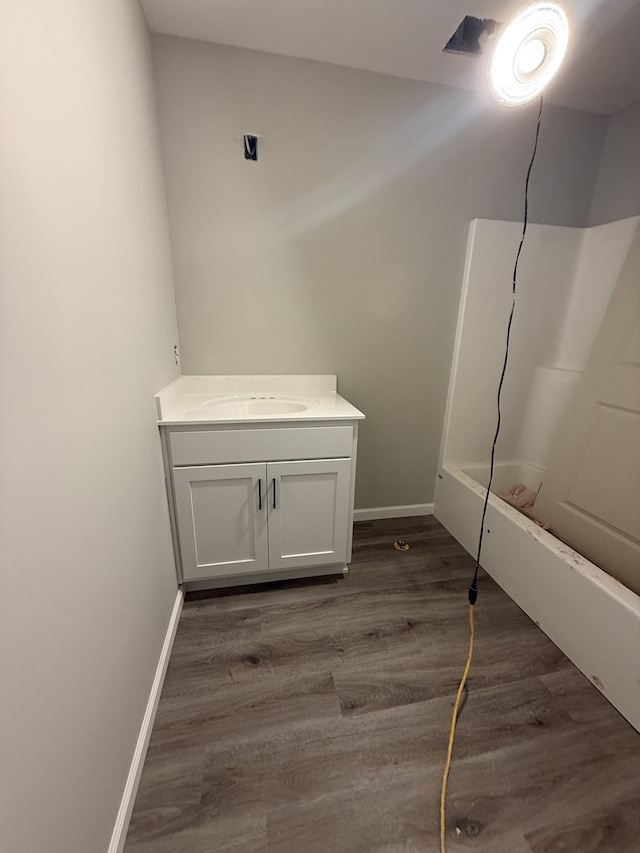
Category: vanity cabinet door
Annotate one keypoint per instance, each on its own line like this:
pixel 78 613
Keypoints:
pixel 222 520
pixel 308 512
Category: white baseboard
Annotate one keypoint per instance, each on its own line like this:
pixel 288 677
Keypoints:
pixel 392 512
pixel 119 835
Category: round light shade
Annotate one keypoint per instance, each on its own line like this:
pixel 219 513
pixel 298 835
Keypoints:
pixel 528 52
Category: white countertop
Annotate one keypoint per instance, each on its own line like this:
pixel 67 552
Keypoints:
pixel 238 399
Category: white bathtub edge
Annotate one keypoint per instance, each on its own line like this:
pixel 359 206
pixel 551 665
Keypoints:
pixel 590 616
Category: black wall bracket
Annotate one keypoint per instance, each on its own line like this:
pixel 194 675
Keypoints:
pixel 250 147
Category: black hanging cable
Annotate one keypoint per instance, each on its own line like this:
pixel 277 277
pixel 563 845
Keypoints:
pixel 473 589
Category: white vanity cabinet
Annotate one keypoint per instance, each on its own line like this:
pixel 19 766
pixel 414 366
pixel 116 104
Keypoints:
pixel 260 502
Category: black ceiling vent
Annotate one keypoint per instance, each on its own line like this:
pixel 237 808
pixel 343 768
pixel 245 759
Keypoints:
pixel 466 38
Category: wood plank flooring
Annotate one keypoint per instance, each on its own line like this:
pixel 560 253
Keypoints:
pixel 313 716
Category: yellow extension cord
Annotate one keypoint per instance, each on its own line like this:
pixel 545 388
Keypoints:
pixel 452 733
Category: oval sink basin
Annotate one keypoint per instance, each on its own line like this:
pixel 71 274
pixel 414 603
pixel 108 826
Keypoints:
pixel 246 407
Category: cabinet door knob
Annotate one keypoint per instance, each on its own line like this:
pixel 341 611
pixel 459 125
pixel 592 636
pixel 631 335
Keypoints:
pixel 274 492
pixel 260 493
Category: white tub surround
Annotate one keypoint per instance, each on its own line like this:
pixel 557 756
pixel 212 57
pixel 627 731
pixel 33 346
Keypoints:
pixel 260 476
pixel 565 280
pixel 228 399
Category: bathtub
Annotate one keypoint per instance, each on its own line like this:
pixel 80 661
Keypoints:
pixel 590 616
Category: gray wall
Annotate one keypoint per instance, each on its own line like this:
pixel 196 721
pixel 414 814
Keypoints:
pixel 617 192
pixel 87 324
pixel 342 249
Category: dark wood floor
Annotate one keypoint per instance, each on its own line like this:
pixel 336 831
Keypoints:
pixel 313 716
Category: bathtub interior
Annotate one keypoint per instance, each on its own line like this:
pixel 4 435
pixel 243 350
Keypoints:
pixel 506 475
pixel 565 281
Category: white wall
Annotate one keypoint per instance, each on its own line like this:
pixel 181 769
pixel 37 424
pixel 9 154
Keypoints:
pixel 617 192
pixel 342 249
pixel 87 325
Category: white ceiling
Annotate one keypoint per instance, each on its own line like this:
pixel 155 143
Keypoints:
pixel 405 38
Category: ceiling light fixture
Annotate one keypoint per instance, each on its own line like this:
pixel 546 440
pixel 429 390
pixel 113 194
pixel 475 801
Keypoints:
pixel 528 52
